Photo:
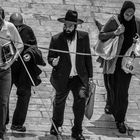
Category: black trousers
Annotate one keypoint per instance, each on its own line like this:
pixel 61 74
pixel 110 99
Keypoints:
pixel 107 86
pixel 79 91
pixel 20 112
pixel 119 84
pixel 22 104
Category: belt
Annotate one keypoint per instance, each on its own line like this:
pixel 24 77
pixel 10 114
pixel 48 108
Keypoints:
pixel 70 77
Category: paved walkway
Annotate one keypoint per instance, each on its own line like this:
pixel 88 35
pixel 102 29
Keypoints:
pixel 100 127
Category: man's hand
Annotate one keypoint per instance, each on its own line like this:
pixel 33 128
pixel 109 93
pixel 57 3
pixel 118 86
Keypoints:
pixel 55 61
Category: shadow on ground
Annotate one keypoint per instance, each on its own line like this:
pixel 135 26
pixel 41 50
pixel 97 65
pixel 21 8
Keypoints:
pixel 106 126
pixel 32 136
pixel 18 135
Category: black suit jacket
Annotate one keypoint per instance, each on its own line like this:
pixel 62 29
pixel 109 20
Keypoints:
pixel 60 73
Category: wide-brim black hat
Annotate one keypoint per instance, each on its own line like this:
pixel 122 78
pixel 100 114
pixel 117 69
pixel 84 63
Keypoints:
pixel 71 17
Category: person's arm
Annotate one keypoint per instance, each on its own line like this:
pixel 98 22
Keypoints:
pixel 108 30
pixel 32 39
pixel 16 39
pixel 53 57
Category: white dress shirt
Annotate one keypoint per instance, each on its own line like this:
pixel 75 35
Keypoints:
pixel 72 45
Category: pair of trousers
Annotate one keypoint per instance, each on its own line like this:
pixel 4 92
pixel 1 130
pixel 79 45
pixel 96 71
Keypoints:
pixel 22 104
pixel 106 83
pixel 5 85
pixel 20 112
pixel 119 83
pixel 79 94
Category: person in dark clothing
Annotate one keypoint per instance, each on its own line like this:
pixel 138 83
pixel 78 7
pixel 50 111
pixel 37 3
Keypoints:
pixel 70 72
pixel 118 80
pixel 32 57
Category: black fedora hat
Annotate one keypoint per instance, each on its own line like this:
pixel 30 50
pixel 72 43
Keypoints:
pixel 71 17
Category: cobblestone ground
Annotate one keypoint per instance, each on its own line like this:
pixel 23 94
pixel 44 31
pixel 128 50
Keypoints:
pixel 100 127
pixel 42 16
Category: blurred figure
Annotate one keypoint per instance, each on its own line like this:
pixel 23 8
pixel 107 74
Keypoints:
pixel 70 72
pixel 10 36
pixel 32 57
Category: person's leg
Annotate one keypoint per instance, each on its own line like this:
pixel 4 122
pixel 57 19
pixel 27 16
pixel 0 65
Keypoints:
pixel 14 80
pixel 121 99
pixel 5 83
pixel 120 103
pixel 21 109
pixel 79 94
pixel 8 117
pixel 58 111
pixel 107 108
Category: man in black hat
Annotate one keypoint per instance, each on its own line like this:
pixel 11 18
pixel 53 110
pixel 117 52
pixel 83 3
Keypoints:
pixel 71 71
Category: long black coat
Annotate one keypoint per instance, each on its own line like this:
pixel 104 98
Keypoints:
pixel 60 73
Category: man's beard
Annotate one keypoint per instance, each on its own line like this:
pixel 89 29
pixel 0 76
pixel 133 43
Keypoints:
pixel 69 35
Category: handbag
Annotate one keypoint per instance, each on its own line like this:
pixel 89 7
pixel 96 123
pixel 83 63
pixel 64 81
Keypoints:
pixel 107 49
pixel 131 59
pixel 90 101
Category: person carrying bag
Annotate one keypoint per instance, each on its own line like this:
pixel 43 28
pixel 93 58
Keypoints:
pixel 107 49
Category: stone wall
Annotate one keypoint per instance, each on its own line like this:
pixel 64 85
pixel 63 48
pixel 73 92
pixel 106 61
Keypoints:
pixel 42 16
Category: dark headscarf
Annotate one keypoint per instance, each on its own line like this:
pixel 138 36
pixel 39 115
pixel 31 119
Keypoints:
pixel 126 5
pixel 130 26
pixel 2 12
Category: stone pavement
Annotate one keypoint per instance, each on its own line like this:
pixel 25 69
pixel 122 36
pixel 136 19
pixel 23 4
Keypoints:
pixel 100 127
pixel 42 16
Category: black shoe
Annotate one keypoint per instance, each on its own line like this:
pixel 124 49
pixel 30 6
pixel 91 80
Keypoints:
pixel 107 109
pixel 18 128
pixel 121 127
pixel 78 136
pixel 54 132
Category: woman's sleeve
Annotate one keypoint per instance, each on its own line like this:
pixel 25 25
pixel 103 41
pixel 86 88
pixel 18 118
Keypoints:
pixel 108 29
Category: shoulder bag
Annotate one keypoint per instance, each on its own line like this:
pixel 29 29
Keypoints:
pixel 107 50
